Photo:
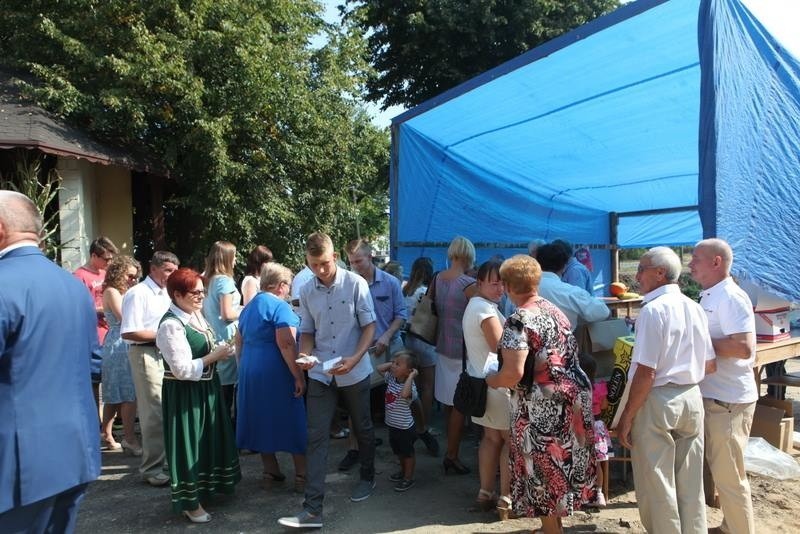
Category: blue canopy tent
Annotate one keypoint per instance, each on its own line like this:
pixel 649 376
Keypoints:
pixel 658 124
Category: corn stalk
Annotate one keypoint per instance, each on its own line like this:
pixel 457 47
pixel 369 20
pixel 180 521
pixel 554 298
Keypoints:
pixel 42 190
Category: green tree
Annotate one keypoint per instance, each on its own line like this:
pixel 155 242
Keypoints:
pixel 420 48
pixel 262 133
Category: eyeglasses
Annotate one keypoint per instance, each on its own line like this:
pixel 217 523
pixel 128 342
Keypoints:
pixel 197 293
pixel 133 276
pixel 642 268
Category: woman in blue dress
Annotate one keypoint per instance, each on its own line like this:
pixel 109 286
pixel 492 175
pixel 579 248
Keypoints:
pixel 271 413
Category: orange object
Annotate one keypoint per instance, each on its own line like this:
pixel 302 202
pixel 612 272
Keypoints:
pixel 617 288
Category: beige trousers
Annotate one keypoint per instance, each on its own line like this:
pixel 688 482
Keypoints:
pixel 727 427
pixel 147 369
pixel 667 460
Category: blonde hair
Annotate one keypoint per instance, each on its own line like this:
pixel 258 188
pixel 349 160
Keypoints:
pixel 521 274
pixel 318 244
pixel 359 246
pixel 462 249
pixel 273 274
pixel 117 272
pixel 220 259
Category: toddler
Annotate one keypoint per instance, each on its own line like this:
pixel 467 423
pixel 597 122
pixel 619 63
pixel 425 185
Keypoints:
pixel 602 439
pixel 400 393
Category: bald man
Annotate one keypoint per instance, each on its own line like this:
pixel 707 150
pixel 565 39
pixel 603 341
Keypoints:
pixel 49 438
pixel 730 394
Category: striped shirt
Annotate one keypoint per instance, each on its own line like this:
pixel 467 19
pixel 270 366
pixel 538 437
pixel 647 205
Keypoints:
pixel 398 409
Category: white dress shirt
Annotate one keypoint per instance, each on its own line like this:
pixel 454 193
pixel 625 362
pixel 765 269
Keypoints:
pixel 143 306
pixel 671 337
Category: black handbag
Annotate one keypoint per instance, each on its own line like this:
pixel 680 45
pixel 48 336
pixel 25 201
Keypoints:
pixel 470 395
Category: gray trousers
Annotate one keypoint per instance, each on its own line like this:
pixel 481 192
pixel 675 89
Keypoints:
pixel 321 402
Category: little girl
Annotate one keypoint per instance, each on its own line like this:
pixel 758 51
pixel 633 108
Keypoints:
pixel 602 440
pixel 400 393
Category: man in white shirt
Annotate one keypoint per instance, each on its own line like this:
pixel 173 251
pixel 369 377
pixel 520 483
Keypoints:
pixel 662 422
pixel 730 394
pixel 578 305
pixel 143 306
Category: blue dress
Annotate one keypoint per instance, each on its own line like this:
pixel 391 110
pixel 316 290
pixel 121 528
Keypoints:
pixel 269 418
pixel 116 369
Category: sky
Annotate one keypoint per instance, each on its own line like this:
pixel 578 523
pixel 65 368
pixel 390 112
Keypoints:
pixel 380 118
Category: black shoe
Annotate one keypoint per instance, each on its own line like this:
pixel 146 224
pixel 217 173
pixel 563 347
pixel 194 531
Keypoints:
pixel 350 459
pixel 396 477
pixel 430 443
pixel 404 485
pixel 455 465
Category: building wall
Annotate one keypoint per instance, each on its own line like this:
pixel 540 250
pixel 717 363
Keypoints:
pixel 94 200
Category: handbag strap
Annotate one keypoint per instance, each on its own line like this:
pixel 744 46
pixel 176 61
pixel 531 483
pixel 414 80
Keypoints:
pixel 431 291
pixel 463 354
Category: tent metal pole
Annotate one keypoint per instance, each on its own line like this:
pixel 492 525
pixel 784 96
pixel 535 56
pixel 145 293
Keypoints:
pixel 613 223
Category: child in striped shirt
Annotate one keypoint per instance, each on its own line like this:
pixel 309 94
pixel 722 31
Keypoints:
pixel 400 393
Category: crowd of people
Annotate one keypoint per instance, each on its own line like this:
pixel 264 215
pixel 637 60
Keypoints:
pixel 213 369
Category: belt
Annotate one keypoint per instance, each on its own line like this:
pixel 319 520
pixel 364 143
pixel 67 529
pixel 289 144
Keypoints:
pixel 150 344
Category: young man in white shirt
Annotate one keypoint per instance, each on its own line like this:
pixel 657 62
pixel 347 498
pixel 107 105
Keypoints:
pixel 662 422
pixel 730 394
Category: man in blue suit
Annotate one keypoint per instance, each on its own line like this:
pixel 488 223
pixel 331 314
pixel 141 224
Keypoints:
pixel 49 438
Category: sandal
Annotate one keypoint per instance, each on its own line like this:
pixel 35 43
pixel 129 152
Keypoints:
pixel 299 483
pixel 504 508
pixel 274 477
pixel 484 502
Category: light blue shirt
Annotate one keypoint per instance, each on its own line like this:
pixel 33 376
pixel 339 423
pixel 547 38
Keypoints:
pixel 388 301
pixel 223 330
pixel 577 274
pixel 335 316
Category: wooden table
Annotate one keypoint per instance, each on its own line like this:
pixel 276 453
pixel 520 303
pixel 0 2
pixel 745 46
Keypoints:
pixel 775 352
pixel 616 304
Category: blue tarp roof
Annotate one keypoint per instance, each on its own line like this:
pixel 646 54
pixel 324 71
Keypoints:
pixel 613 118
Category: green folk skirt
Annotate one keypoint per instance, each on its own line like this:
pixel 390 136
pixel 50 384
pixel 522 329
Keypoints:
pixel 199 441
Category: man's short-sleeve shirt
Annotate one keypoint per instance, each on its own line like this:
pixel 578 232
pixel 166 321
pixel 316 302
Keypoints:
pixel 729 311
pixel 335 316
pixel 671 337
pixel 143 306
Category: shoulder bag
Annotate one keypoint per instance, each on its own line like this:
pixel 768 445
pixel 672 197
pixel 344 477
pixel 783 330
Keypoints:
pixel 470 395
pixel 425 321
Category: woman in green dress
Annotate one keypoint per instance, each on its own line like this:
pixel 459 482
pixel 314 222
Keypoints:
pixel 198 434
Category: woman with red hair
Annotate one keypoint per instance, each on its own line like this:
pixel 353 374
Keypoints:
pixel 198 434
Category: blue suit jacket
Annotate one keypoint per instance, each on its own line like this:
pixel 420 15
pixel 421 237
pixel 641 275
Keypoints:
pixel 49 438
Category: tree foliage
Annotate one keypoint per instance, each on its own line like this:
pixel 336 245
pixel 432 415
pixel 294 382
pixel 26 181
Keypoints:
pixel 261 131
pixel 420 48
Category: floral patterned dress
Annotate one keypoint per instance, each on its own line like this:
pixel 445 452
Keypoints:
pixel 551 445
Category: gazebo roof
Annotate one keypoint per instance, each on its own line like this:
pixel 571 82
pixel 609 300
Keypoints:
pixel 25 125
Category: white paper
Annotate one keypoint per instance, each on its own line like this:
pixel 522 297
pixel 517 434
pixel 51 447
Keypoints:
pixel 492 365
pixel 308 358
pixel 330 364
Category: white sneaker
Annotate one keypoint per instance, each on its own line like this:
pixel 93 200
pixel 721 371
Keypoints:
pixel 302 520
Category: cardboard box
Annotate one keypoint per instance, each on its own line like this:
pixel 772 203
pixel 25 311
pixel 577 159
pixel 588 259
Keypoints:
pixel 623 352
pixel 774 421
pixel 772 325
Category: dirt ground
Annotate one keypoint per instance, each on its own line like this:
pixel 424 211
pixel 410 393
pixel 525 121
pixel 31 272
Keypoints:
pixel 120 502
